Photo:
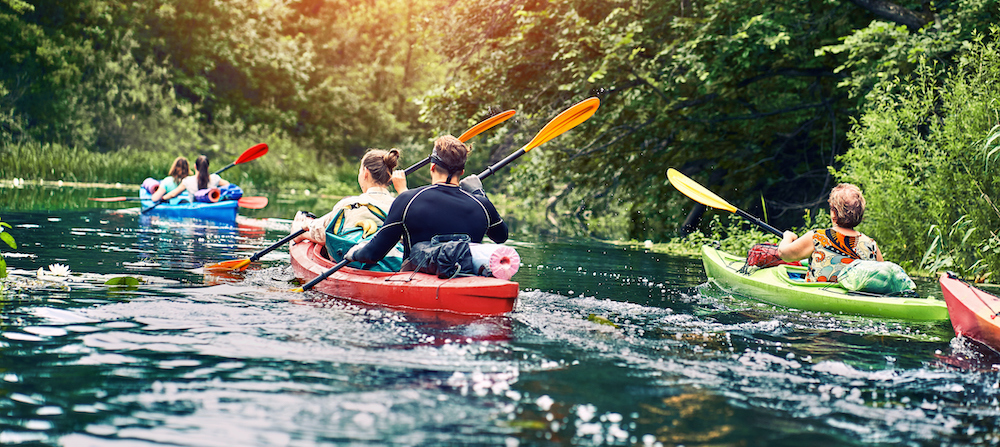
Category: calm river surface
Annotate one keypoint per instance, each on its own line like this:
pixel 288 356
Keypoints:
pixel 191 359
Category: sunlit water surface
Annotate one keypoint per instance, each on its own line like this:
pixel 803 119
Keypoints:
pixel 607 346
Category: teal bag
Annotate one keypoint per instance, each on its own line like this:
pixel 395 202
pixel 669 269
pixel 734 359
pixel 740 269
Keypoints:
pixel 339 240
pixel 880 277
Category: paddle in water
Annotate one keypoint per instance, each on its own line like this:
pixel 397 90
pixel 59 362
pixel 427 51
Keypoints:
pixel 251 202
pixel 566 120
pixel 241 264
pixel 256 151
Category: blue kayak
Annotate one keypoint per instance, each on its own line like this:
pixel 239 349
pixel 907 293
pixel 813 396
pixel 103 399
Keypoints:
pixel 182 206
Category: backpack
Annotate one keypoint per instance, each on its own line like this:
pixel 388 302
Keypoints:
pixel 339 239
pixel 445 255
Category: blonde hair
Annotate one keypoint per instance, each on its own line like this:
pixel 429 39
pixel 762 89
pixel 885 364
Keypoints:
pixel 380 164
pixel 849 203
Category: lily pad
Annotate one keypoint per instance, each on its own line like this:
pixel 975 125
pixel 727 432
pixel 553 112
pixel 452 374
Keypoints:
pixel 122 281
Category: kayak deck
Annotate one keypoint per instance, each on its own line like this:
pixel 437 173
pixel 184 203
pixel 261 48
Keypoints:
pixel 780 285
pixel 973 311
pixel 224 210
pixel 467 295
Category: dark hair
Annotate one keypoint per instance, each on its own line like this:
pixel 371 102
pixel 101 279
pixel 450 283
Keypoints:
pixel 380 164
pixel 201 164
pixel 450 153
pixel 847 200
pixel 180 169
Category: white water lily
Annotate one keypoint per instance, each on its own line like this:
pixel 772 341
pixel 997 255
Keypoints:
pixel 59 269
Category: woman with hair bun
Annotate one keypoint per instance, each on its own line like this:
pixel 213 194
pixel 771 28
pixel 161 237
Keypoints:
pixel 376 172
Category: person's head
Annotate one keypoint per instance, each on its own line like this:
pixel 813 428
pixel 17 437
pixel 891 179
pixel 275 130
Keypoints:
pixel 201 164
pixel 847 205
pixel 376 167
pixel 180 169
pixel 449 156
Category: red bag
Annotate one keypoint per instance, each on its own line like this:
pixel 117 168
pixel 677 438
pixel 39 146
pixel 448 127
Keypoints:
pixel 762 256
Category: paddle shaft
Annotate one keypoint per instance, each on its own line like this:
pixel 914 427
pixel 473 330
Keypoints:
pixel 760 223
pixel 492 169
pixel 283 241
pixel 325 275
pixel 473 131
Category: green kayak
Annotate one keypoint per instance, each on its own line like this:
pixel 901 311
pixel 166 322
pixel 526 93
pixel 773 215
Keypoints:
pixel 783 286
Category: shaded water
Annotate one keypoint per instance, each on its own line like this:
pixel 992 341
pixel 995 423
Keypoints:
pixel 190 359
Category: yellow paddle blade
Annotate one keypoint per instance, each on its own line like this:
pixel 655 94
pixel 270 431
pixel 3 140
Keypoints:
pixel 224 266
pixel 697 192
pixel 486 124
pixel 297 290
pixel 566 120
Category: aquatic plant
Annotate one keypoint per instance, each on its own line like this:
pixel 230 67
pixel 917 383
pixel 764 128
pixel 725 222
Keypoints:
pixel 7 238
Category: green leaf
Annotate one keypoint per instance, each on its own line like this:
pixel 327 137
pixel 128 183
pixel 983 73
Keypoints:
pixel 127 281
pixel 6 237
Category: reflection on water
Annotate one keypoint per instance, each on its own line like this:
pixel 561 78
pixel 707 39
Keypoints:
pixel 607 346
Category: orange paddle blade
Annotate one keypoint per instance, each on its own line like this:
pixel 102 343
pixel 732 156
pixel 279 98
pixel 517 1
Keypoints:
pixel 254 203
pixel 225 266
pixel 486 124
pixel 566 120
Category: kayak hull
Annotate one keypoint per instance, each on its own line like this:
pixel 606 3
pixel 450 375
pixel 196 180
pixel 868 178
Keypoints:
pixel 467 295
pixel 973 312
pixel 775 285
pixel 223 210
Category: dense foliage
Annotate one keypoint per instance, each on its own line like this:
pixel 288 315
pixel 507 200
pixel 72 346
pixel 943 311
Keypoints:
pixel 753 99
pixel 926 155
pixel 180 75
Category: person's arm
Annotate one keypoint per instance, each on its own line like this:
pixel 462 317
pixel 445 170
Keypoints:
pixel 398 180
pixel 158 194
pixel 793 248
pixel 497 232
pixel 223 182
pixel 174 193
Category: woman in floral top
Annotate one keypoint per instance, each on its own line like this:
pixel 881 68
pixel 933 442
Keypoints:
pixel 832 249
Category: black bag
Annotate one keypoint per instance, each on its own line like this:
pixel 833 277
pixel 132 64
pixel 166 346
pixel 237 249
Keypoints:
pixel 446 255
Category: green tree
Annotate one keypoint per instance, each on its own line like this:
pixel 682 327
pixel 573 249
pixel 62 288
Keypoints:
pixel 753 99
pixel 925 153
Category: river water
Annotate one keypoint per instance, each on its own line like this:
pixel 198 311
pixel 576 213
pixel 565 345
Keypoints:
pixel 607 346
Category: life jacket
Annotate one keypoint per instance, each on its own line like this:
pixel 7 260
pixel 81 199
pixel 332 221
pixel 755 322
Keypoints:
pixel 340 239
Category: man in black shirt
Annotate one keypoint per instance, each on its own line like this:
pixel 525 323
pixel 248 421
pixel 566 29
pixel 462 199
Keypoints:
pixel 443 207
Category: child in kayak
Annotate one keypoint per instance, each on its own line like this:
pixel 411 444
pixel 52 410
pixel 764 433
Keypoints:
pixel 833 249
pixel 179 170
pixel 192 184
pixel 374 176
pixel 444 207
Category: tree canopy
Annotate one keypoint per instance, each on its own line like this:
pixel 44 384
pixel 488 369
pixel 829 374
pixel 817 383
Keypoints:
pixel 755 99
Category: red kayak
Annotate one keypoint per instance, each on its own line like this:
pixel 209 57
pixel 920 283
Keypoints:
pixel 467 295
pixel 973 312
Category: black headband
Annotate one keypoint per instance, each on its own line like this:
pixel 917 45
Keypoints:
pixel 452 170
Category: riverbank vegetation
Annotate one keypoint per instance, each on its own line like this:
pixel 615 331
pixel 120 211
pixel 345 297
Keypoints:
pixel 767 104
